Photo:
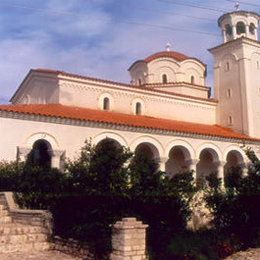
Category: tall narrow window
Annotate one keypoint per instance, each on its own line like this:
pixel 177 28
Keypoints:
pixel 252 28
pixel 192 80
pixel 228 93
pixel 228 29
pixel 106 104
pixel 138 108
pixel 139 82
pixel 241 28
pixel 227 66
pixel 230 120
pixel 164 78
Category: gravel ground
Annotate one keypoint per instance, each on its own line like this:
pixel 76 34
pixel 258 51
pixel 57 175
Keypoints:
pixel 45 255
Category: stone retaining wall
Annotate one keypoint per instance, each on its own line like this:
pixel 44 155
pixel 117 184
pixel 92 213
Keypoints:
pixel 42 218
pixel 72 247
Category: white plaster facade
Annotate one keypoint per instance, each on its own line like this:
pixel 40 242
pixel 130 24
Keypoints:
pixel 166 86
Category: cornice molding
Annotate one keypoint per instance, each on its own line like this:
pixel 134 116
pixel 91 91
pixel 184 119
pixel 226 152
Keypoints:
pixel 120 127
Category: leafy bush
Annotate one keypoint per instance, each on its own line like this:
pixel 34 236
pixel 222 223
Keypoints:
pixel 9 172
pixel 236 209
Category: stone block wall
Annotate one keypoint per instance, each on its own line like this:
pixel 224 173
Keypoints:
pixel 129 240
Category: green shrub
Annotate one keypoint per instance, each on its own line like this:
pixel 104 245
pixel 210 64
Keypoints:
pixel 9 172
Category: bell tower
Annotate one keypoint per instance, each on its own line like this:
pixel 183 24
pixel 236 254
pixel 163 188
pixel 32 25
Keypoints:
pixel 237 73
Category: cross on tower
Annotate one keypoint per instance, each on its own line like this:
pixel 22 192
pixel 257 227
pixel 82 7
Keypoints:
pixel 237 5
pixel 168 46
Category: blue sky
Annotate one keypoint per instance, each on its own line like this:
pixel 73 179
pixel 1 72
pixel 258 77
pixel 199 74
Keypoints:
pixel 102 38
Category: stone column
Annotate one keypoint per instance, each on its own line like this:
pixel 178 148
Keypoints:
pixel 224 33
pixel 221 165
pixel 234 31
pixel 22 153
pixel 55 160
pixel 128 240
pixel 247 31
pixel 162 162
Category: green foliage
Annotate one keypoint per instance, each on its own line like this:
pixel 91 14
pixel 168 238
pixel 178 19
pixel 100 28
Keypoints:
pixel 236 209
pixel 233 178
pixel 105 183
pixel 100 169
pixel 9 172
pixel 144 175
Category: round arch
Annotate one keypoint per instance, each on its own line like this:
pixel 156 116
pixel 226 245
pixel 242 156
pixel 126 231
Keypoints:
pixel 181 143
pixel 98 138
pixel 236 149
pixel 212 147
pixel 42 136
pixel 148 140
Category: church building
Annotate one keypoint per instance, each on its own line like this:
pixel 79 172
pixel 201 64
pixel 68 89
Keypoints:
pixel 165 111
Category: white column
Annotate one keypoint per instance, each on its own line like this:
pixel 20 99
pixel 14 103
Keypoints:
pixel 162 162
pixel 22 153
pixel 221 165
pixel 55 160
pixel 234 32
pixel 247 31
pixel 224 35
pixel 256 34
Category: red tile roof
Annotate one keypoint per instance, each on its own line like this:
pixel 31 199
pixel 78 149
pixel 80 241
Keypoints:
pixel 167 54
pixel 68 112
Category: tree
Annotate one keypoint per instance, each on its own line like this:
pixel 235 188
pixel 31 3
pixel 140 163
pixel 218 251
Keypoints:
pixel 101 169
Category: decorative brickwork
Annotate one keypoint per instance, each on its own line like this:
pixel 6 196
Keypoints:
pixel 128 240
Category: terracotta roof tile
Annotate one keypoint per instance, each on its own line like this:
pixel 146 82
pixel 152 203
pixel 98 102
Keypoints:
pixel 167 54
pixel 61 111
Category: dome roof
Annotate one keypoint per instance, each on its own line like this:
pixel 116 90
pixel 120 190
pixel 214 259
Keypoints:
pixel 167 54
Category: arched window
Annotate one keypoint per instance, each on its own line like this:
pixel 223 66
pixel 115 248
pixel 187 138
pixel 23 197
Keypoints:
pixel 228 29
pixel 40 154
pixel 138 108
pixel 252 28
pixel 164 78
pixel 227 66
pixel 241 28
pixel 230 120
pixel 106 103
pixel 192 80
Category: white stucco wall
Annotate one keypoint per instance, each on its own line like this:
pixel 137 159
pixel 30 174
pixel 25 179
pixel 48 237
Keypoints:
pixel 242 79
pixel 70 138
